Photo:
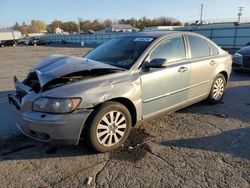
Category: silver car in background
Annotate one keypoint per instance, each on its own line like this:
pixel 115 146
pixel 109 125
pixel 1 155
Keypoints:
pixel 121 82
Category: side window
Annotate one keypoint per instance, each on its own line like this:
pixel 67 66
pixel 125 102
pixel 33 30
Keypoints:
pixel 171 49
pixel 199 47
pixel 213 49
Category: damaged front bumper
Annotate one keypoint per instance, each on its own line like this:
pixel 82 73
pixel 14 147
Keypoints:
pixel 53 128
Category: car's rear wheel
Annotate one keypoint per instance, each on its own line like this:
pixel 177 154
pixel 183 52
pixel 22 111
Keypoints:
pixel 2 45
pixel 109 126
pixel 217 90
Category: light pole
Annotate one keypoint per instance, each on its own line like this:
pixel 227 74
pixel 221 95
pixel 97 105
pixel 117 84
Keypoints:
pixel 240 13
pixel 201 15
pixel 79 24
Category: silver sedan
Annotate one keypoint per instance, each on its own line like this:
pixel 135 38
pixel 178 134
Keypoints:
pixel 123 81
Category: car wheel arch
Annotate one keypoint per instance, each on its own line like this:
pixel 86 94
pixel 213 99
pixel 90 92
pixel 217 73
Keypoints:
pixel 224 73
pixel 221 69
pixel 130 106
pixel 124 101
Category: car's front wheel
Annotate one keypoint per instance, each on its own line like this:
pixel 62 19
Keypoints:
pixel 217 90
pixel 109 126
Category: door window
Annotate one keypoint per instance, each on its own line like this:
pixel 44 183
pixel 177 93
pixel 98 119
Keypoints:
pixel 213 49
pixel 199 47
pixel 171 49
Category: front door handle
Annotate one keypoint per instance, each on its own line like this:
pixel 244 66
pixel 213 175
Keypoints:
pixel 212 62
pixel 182 69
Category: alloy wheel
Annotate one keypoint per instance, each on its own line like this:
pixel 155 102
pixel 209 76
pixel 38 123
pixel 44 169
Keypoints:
pixel 218 88
pixel 111 128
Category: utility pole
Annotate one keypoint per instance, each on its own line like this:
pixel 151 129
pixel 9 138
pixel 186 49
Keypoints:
pixel 201 15
pixel 240 13
pixel 79 24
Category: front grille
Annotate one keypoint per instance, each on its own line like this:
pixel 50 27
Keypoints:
pixel 246 61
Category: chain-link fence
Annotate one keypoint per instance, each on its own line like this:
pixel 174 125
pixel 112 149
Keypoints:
pixel 229 37
pixel 86 39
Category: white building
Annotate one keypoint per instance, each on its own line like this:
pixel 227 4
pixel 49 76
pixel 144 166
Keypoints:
pixel 8 34
pixel 121 28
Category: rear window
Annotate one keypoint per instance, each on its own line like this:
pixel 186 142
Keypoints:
pixel 199 47
pixel 213 49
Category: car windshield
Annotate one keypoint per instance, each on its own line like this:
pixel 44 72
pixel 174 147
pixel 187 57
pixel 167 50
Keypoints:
pixel 120 52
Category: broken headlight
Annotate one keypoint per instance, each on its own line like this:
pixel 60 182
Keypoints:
pixel 54 105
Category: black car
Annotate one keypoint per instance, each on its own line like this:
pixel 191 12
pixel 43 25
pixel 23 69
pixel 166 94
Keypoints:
pixel 8 43
pixel 241 59
pixel 37 41
pixel 23 41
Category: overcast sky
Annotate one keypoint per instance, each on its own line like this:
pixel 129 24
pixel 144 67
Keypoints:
pixel 12 11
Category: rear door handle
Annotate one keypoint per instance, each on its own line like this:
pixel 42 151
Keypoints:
pixel 182 69
pixel 212 62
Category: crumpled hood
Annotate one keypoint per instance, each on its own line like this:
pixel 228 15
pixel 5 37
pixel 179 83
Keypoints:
pixel 56 66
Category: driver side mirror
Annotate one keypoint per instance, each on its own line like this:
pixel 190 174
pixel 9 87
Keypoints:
pixel 158 63
pixel 155 63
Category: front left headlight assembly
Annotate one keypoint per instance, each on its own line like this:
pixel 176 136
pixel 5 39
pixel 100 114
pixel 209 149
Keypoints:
pixel 55 105
pixel 238 55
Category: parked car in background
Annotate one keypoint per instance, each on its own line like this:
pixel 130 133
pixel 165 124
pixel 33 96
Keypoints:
pixel 241 59
pixel 23 41
pixel 123 81
pixel 8 43
pixel 35 41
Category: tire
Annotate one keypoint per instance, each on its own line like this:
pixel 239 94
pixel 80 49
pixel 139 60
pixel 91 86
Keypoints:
pixel 217 89
pixel 2 45
pixel 106 135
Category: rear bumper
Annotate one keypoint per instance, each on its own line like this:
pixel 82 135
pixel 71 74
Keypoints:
pixel 51 128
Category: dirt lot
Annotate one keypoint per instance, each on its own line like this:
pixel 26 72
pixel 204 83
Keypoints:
pixel 200 146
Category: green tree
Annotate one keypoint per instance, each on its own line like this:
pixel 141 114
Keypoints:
pixel 53 25
pixel 37 26
pixel 24 29
pixel 96 25
pixel 70 26
pixel 107 22
pixel 178 23
pixel 85 25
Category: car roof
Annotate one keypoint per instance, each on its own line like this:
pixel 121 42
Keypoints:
pixel 152 34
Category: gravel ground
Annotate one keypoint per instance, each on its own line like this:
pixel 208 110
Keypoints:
pixel 200 146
